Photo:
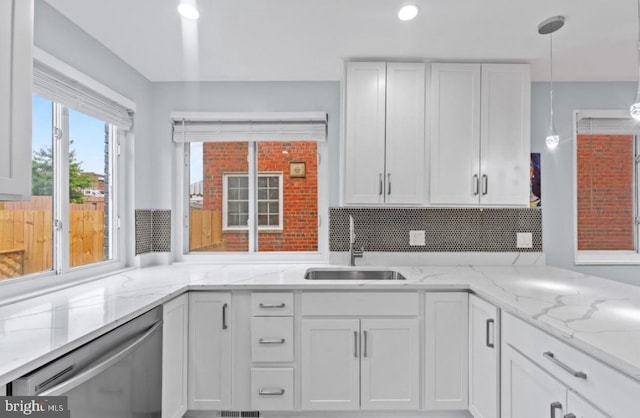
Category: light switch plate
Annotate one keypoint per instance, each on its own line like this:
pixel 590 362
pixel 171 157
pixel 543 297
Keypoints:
pixel 417 238
pixel 524 240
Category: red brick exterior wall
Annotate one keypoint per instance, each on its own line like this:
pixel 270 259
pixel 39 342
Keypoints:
pixel 300 195
pixel 605 192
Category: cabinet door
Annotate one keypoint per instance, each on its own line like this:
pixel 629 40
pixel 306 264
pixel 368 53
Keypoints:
pixel 579 407
pixel 330 357
pixel 175 316
pixel 505 134
pixel 209 350
pixel 365 132
pixel 484 358
pixel 446 350
pixel 405 176
pixel 390 374
pixel 455 134
pixel 16 34
pixel 528 391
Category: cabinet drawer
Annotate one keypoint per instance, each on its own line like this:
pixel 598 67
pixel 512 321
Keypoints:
pixel 613 392
pixel 271 389
pixel 360 304
pixel 271 338
pixel 272 304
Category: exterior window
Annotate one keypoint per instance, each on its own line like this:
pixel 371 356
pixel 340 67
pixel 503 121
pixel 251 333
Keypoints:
pixel 223 198
pixel 236 202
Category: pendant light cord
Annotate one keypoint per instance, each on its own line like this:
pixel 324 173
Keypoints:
pixel 551 78
pixel 638 47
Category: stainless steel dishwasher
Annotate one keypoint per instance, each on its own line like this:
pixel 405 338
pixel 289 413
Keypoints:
pixel 117 375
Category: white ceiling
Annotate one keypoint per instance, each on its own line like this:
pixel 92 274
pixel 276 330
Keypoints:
pixel 308 39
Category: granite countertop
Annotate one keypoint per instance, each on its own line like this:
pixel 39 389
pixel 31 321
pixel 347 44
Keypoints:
pixel 598 316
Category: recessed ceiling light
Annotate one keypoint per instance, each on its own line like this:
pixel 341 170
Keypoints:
pixel 408 12
pixel 189 11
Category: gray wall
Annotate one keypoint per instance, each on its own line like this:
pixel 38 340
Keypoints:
pixel 238 97
pixel 557 166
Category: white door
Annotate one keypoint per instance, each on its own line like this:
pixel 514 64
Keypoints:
pixel 455 134
pixel 446 350
pixel 175 316
pixel 405 140
pixel 484 359
pixel 330 360
pixel 16 34
pixel 390 364
pixel 365 132
pixel 209 351
pixel 505 134
pixel 528 391
pixel 579 407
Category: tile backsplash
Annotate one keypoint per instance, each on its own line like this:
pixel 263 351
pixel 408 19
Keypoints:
pixel 446 229
pixel 153 231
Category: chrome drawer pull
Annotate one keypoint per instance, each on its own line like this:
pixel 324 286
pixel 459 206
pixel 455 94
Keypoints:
pixel 279 306
pixel 570 415
pixel 549 355
pixel 266 392
pixel 554 406
pixel 271 341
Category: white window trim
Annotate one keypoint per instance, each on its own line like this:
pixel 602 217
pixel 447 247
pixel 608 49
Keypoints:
pixel 225 223
pixel 180 243
pixel 583 257
pixel 22 287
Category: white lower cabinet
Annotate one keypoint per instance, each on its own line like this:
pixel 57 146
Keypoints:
pixel 484 358
pixel 209 351
pixel 446 351
pixel 175 316
pixel 352 364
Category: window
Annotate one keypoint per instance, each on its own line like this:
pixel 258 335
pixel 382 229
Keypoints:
pixel 250 196
pixel 71 221
pixel 236 201
pixel 607 188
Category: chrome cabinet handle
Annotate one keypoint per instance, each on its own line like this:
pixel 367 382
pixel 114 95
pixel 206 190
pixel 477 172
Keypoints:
pixel 476 184
pixel 489 343
pixel 224 316
pixel 485 184
pixel 278 306
pixel 380 178
pixel 266 392
pixel 570 415
pixel 355 344
pixel 549 355
pixel 554 406
pixel 388 183
pixel 271 341
pixel 365 344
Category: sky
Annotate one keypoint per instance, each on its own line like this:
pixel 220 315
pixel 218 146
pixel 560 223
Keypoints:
pixel 87 134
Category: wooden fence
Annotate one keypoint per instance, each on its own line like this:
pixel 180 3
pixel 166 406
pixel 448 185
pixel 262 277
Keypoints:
pixel 205 230
pixel 30 232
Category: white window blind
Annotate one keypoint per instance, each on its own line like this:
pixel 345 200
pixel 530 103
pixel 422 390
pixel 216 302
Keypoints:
pixel 608 126
pixel 52 84
pixel 251 127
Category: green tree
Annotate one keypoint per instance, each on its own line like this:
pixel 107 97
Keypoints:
pixel 42 175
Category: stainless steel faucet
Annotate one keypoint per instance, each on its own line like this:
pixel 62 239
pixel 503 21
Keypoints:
pixel 353 252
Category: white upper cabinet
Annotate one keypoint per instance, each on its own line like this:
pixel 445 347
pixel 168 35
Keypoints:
pixel 480 140
pixel 385 149
pixel 16 44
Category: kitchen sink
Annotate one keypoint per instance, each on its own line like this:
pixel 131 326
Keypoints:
pixel 341 274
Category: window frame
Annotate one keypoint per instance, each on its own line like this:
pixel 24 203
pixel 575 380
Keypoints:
pixel 181 251
pixel 18 288
pixel 225 211
pixel 605 257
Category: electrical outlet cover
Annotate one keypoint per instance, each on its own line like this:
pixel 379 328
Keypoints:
pixel 417 238
pixel 524 240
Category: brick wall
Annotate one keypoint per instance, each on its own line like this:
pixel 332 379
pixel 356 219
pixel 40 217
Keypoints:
pixel 300 195
pixel 605 192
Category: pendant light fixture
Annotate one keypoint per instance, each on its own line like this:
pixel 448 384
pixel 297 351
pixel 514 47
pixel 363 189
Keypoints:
pixel 634 110
pixel 547 28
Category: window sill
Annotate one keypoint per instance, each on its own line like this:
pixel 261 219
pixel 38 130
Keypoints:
pixel 606 258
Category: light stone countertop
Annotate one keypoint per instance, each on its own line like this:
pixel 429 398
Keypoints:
pixel 598 316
